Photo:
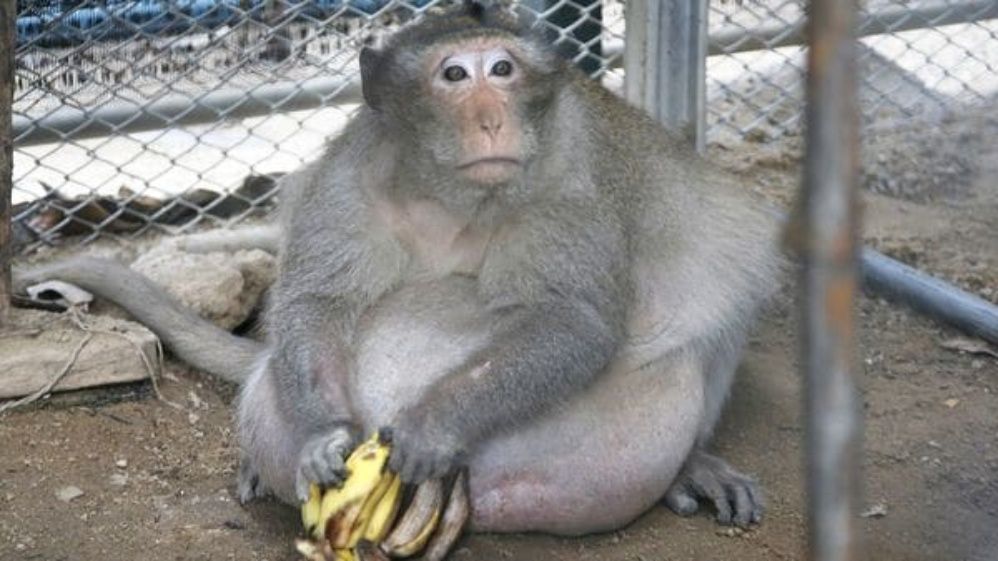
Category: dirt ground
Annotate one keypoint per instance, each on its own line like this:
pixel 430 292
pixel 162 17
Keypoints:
pixel 156 481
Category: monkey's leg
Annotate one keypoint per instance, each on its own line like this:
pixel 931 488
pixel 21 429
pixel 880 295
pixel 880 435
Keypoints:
pixel 274 452
pixel 736 498
pixel 599 462
pixel 269 459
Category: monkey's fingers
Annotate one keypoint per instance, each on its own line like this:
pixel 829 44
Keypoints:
pixel 323 461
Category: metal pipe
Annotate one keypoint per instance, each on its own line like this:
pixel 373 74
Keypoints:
pixel 125 117
pixel 933 297
pixel 734 39
pixel 8 13
pixel 828 227
pixel 665 64
pixel 175 110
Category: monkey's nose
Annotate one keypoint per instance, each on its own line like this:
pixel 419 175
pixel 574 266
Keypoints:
pixel 491 126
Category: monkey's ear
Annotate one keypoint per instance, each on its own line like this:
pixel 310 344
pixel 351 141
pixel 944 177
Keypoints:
pixel 371 61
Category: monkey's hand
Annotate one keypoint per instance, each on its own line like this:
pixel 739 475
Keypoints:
pixel 323 459
pixel 424 446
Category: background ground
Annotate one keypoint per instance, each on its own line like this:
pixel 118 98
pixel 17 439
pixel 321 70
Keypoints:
pixel 157 482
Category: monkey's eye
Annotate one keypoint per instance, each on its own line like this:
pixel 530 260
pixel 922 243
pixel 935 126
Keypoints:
pixel 502 68
pixel 455 73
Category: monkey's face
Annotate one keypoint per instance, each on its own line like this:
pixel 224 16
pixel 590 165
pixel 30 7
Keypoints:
pixel 476 95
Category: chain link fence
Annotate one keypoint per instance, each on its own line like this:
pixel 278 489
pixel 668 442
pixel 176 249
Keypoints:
pixel 168 115
pixel 138 115
pixel 918 59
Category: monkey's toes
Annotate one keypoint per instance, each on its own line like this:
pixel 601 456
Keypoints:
pixel 248 484
pixel 736 498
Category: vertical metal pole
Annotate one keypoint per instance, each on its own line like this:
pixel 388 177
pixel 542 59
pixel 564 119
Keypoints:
pixel 8 13
pixel 665 60
pixel 829 230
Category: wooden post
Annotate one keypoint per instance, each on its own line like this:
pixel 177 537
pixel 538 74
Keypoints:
pixel 8 13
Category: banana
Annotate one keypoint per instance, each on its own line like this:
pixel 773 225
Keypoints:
pixel 418 522
pixel 347 527
pixel 379 520
pixel 341 507
pixel 347 523
pixel 320 551
pixel 338 509
pixel 368 551
pixel 452 522
pixel 310 510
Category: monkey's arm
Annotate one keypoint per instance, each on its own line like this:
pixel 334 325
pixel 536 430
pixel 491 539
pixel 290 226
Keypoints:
pixel 329 273
pixel 558 286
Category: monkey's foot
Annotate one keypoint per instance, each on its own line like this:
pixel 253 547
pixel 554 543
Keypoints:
pixel 735 496
pixel 323 460
pixel 248 483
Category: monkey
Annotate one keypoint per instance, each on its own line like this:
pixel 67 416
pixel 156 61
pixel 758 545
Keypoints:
pixel 510 269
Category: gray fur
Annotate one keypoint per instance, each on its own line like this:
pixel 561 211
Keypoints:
pixel 198 341
pixel 489 325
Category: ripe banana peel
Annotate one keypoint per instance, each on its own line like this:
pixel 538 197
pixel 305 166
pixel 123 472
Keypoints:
pixel 418 522
pixel 357 521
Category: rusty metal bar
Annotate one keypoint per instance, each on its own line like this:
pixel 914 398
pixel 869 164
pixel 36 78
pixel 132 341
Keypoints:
pixel 830 255
pixel 8 14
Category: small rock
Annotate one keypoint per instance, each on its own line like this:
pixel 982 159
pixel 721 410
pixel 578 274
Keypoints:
pixel 195 400
pixel 122 463
pixel 951 402
pixel 69 493
pixel 20 547
pixel 9 497
pixel 878 510
pixel 193 418
pixel 119 479
pixel 233 524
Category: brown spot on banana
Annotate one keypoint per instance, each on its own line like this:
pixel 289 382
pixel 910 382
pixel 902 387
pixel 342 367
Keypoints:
pixel 367 551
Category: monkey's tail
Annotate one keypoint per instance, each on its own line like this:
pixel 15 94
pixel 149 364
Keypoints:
pixel 193 339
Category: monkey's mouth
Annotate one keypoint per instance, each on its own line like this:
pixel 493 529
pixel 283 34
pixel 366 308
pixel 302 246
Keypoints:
pixel 494 161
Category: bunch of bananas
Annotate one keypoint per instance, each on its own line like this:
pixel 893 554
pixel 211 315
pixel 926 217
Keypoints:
pixel 360 520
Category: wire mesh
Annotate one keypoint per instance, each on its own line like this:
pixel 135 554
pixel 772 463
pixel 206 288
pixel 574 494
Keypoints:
pixel 138 115
pixel 917 58
pixel 169 115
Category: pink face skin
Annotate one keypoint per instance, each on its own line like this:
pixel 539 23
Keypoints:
pixel 477 80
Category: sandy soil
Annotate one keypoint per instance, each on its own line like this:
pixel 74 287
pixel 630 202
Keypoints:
pixel 157 481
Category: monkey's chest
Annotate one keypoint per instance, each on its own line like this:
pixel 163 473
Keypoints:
pixel 437 242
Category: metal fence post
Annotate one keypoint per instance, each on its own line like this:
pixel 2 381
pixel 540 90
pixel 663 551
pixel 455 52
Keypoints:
pixel 828 225
pixel 665 63
pixel 8 13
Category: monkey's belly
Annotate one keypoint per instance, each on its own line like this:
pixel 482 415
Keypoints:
pixel 593 463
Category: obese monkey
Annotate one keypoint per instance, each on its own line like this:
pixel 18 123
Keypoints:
pixel 511 269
